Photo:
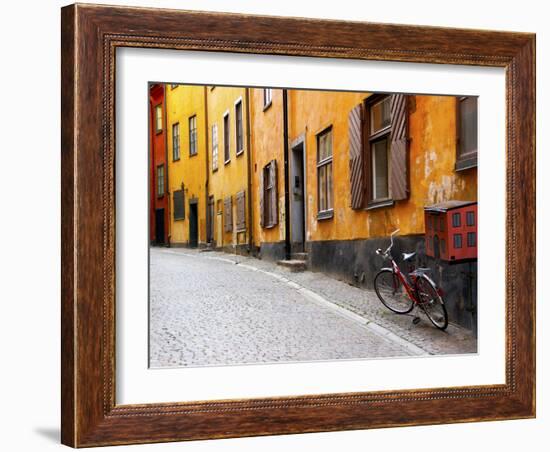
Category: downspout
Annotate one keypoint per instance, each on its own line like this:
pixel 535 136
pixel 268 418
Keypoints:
pixel 166 181
pixel 250 169
pixel 287 180
pixel 152 175
pixel 209 225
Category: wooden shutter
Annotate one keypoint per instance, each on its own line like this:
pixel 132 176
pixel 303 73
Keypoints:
pixel 399 178
pixel 274 197
pixel 261 188
pixel 241 212
pixel 179 205
pixel 356 156
pixel 228 215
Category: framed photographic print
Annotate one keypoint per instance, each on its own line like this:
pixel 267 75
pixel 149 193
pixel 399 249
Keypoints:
pixel 281 225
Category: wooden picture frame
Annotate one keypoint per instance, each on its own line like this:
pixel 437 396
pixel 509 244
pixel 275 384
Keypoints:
pixel 90 36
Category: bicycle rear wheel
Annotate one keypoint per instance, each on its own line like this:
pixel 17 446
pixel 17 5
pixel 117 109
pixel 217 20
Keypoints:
pixel 431 302
pixel 391 292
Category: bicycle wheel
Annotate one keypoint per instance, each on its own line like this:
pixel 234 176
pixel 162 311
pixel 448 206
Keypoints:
pixel 391 292
pixel 431 303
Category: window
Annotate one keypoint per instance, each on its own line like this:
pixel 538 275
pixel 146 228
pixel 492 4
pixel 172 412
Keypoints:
pixel 226 144
pixel 456 220
pixel 179 205
pixel 268 195
pixel 160 180
pixel 471 239
pixel 175 141
pixel 379 139
pixel 470 218
pixel 239 127
pixel 158 118
pixel 378 151
pixel 193 135
pixel 457 238
pixel 268 94
pixel 466 118
pixel 214 147
pixel 324 174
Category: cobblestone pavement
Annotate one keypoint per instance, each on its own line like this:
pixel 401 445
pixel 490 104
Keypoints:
pixel 213 308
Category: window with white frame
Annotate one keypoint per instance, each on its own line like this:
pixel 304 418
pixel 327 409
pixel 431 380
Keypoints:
pixel 379 142
pixel 160 181
pixel 324 173
pixel 176 141
pixel 214 147
pixel 239 127
pixel 158 118
pixel 193 135
pixel 226 142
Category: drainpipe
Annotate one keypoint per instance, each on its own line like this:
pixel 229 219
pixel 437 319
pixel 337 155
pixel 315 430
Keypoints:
pixel 166 181
pixel 206 188
pixel 250 169
pixel 287 180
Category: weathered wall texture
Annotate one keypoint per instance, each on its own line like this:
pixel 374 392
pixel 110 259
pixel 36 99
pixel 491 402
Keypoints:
pixel 231 177
pixel 182 102
pixel 432 130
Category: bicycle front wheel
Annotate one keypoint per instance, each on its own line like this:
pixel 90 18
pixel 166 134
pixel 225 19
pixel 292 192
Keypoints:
pixel 391 292
pixel 431 303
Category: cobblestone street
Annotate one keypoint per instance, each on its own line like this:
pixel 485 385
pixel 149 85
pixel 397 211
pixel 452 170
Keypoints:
pixel 210 308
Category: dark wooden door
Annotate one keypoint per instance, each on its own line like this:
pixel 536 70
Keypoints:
pixel 210 220
pixel 193 225
pixel 159 227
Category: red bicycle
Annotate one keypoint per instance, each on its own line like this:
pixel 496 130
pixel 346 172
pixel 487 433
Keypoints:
pixel 400 293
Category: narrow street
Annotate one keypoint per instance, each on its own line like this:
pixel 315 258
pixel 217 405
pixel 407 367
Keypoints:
pixel 210 308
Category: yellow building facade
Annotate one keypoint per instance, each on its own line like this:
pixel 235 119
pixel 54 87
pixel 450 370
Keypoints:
pixel 187 159
pixel 228 175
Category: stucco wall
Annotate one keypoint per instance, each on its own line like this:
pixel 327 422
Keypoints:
pixel 432 129
pixel 182 102
pixel 232 177
pixel 267 143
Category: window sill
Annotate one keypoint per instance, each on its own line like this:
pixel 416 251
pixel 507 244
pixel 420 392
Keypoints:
pixel 194 154
pixel 176 160
pixel 227 161
pixel 240 152
pixel 266 106
pixel 378 204
pixel 179 219
pixel 325 214
pixel 465 164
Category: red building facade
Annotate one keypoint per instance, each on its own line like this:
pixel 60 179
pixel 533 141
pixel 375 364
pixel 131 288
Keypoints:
pixel 159 219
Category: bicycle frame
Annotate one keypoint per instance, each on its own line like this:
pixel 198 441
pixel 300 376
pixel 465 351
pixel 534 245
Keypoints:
pixel 397 271
pixel 403 279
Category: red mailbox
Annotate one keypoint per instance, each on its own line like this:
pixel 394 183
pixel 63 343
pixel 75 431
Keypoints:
pixel 451 230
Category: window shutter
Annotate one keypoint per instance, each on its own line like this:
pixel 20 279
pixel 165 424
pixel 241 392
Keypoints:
pixel 399 178
pixel 356 157
pixel 241 216
pixel 228 215
pixel 262 192
pixel 274 196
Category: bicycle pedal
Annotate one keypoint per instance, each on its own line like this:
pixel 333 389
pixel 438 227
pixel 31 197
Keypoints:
pixel 416 320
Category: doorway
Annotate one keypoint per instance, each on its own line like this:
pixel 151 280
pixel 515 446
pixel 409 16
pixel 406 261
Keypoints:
pixel 159 226
pixel 297 198
pixel 193 223
pixel 210 220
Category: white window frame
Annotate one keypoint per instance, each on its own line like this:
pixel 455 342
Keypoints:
pixel 215 145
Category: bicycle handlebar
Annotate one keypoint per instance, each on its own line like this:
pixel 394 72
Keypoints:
pixel 388 249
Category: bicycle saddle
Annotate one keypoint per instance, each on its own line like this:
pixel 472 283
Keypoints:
pixel 408 256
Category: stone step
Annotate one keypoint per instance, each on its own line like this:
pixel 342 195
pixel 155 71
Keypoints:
pixel 299 256
pixel 293 265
